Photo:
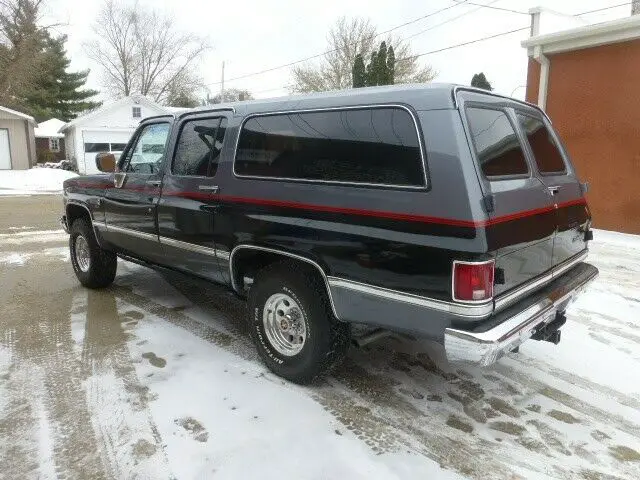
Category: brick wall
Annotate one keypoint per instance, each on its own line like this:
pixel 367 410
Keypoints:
pixel 594 103
pixel 42 146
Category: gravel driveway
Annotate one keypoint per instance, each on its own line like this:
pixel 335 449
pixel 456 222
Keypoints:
pixel 155 377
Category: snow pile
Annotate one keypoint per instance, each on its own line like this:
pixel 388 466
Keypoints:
pixel 34 181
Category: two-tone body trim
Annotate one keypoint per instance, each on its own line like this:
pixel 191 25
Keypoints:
pixel 336 182
pixel 510 298
pixel 134 233
pixel 477 311
pixel 192 247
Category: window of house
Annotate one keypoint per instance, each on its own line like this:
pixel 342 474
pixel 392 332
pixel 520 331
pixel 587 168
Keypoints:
pixel 96 147
pixel 117 147
pixel 54 144
pixel 497 146
pixel 199 147
pixel 544 147
pixel 136 112
pixel 368 146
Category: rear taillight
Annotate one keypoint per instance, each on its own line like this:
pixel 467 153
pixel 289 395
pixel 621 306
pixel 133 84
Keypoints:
pixel 473 281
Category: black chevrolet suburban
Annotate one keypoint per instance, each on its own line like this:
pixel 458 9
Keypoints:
pixel 436 210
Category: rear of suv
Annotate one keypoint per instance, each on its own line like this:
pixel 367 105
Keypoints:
pixel 440 211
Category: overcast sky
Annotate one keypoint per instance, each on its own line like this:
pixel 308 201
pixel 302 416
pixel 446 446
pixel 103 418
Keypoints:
pixel 253 35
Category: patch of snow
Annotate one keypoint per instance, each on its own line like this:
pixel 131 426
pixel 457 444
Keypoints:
pixel 34 181
pixel 49 128
pixel 247 411
pixel 41 236
pixel 14 258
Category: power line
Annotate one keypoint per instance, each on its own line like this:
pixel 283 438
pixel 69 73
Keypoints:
pixel 498 8
pixel 602 9
pixel 449 20
pixel 290 64
pixel 451 47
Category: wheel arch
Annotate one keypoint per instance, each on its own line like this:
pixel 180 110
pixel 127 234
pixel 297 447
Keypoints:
pixel 76 210
pixel 235 273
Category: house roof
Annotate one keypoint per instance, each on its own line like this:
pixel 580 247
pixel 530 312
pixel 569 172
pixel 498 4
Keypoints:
pixel 49 129
pixel 587 36
pixel 135 98
pixel 24 116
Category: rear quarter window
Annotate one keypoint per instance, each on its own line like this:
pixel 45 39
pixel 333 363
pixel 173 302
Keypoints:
pixel 359 146
pixel 496 143
pixel 545 150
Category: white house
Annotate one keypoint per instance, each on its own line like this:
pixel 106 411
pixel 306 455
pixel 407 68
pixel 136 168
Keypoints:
pixel 106 129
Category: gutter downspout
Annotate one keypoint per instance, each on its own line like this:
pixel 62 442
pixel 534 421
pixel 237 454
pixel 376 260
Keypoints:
pixel 543 86
pixel 538 56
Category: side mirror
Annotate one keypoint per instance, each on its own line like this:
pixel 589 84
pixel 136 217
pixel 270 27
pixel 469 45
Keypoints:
pixel 106 162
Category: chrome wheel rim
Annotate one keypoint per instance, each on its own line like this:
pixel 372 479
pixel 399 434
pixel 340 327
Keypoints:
pixel 83 256
pixel 284 324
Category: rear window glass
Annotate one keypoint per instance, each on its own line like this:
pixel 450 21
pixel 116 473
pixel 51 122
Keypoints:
pixel 368 145
pixel 497 147
pixel 544 147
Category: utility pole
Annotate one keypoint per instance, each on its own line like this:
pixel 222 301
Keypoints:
pixel 222 85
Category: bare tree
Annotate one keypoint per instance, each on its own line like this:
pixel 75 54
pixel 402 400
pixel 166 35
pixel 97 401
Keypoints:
pixel 230 95
pixel 347 38
pixel 142 51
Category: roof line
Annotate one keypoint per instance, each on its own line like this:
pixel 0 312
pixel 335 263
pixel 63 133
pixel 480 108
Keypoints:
pixel 18 114
pixel 613 31
pixel 94 113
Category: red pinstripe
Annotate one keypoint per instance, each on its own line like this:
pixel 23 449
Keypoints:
pixel 352 211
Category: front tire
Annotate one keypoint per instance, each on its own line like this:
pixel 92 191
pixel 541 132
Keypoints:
pixel 94 267
pixel 292 325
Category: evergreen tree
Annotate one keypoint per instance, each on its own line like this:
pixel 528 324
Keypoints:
pixel 358 73
pixel 372 70
pixel 480 81
pixel 58 93
pixel 33 66
pixel 382 65
pixel 391 66
pixel 381 68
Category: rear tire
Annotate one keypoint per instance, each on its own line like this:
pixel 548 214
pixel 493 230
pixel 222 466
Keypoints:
pixel 94 267
pixel 292 324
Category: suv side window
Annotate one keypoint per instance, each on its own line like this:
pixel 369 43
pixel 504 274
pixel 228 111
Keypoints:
pixel 199 147
pixel 146 155
pixel 377 146
pixel 544 147
pixel 497 146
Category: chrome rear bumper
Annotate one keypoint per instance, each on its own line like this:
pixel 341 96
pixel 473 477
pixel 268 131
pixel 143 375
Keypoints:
pixel 486 346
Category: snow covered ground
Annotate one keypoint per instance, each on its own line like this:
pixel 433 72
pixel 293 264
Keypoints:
pixel 33 181
pixel 156 378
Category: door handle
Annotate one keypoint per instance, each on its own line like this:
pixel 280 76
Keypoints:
pixel 154 183
pixel 210 208
pixel 208 188
pixel 553 190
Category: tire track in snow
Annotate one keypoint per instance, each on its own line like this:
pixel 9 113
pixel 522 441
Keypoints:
pixel 116 401
pixel 45 341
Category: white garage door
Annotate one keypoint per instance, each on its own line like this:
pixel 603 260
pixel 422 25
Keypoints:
pixel 5 153
pixel 95 142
